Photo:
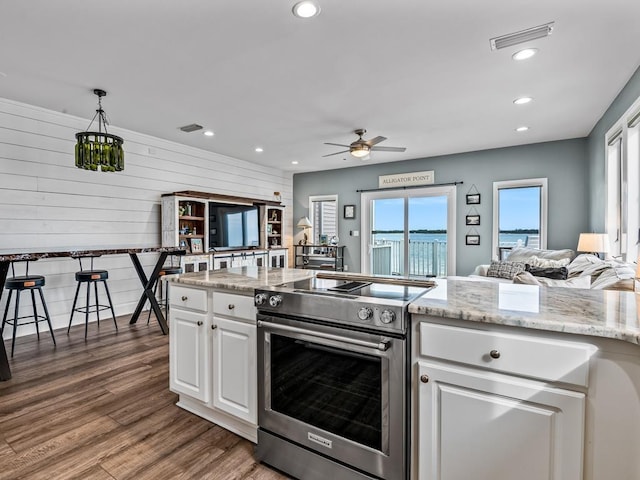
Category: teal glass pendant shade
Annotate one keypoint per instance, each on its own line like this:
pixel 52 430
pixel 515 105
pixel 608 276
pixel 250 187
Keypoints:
pixel 99 151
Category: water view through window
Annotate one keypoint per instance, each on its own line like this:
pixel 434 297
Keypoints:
pixel 519 217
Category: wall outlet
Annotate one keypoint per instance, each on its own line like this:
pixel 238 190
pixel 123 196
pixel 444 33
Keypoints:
pixel 346 268
pixel 355 233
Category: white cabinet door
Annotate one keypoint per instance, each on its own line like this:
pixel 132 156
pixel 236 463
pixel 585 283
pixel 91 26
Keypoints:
pixel 488 426
pixel 235 368
pixel 189 370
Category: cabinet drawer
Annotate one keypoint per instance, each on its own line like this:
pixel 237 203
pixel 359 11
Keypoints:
pixel 234 306
pixel 547 359
pixel 191 298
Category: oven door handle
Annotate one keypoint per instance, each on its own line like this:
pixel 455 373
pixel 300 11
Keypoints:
pixel 383 345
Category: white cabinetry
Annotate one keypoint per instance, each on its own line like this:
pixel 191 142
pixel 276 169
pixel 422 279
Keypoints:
pixel 213 356
pixel 497 406
pixel 279 258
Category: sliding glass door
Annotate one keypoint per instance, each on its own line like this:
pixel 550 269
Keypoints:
pixel 409 233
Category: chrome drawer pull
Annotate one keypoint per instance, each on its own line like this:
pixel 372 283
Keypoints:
pixel 494 353
pixel 231 306
pixel 184 298
pixel 199 323
pixel 424 378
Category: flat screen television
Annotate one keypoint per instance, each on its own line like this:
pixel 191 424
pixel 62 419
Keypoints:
pixel 233 226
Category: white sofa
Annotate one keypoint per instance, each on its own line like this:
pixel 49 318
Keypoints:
pixel 583 271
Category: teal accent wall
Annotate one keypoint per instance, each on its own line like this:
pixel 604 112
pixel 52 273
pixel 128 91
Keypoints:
pixel 596 150
pixel 564 163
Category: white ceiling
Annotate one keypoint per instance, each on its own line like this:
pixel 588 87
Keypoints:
pixel 418 72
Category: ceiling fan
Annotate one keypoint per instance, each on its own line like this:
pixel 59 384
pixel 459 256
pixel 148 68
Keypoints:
pixel 361 148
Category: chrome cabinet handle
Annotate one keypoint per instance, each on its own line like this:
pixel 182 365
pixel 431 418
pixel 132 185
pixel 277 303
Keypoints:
pixel 231 306
pixel 199 323
pixel 213 327
pixel 184 298
pixel 494 353
pixel 424 378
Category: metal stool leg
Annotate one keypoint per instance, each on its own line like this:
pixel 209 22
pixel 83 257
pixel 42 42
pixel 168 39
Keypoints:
pixel 46 314
pixel 86 313
pixel 6 310
pixel 15 323
pixel 113 313
pixel 73 309
pixel 95 288
pixel 155 289
pixel 35 312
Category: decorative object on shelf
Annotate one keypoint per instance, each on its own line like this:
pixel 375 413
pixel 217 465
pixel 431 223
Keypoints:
pixel 269 229
pixel 472 240
pixel 472 220
pixel 185 245
pixel 274 216
pixel 349 211
pixel 277 196
pixel 323 239
pixel 595 243
pixel 99 151
pixel 305 224
pixel 196 245
pixel 334 240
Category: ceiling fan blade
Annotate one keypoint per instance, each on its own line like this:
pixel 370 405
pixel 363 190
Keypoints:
pixel 337 144
pixel 375 141
pixel 337 153
pixel 388 149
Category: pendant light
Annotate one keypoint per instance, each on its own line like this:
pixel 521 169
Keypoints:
pixel 99 151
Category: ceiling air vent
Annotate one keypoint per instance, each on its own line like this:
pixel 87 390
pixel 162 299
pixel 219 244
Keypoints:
pixel 521 37
pixel 191 128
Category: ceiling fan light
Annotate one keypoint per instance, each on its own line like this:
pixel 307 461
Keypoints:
pixel 360 151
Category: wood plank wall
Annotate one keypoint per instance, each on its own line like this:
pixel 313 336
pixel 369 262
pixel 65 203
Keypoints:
pixel 47 203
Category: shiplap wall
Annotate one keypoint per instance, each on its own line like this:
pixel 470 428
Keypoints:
pixel 47 203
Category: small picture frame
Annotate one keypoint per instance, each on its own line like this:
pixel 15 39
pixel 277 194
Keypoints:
pixel 472 239
pixel 473 220
pixel 196 245
pixel 185 246
pixel 473 199
pixel 269 228
pixel 349 211
pixel 323 239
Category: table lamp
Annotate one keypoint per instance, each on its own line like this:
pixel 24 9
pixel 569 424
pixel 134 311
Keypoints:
pixel 594 243
pixel 304 223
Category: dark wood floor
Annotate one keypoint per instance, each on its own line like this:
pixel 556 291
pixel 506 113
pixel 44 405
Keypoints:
pixel 102 409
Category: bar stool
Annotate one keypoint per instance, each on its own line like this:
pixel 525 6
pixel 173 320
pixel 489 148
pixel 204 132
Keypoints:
pixel 164 297
pixel 89 277
pixel 19 284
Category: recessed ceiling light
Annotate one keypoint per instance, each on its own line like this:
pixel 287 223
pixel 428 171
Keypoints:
pixel 294 162
pixel 522 129
pixel 524 54
pixel 522 100
pixel 259 149
pixel 306 9
pixel 208 133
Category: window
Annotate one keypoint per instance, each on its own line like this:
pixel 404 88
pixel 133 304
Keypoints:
pixel 519 214
pixel 622 214
pixel 323 215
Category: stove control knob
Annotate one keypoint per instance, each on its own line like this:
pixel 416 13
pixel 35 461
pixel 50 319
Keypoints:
pixel 365 313
pixel 261 298
pixel 387 316
pixel 275 300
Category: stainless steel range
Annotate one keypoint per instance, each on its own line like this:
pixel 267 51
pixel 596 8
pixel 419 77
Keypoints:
pixel 332 378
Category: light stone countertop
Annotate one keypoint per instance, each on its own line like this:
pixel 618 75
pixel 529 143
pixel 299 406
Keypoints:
pixel 241 280
pixel 599 313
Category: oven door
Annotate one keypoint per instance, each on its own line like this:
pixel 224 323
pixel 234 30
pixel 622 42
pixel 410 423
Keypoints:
pixel 338 392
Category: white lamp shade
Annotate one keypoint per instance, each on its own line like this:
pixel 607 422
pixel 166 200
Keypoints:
pixel 304 222
pixel 593 242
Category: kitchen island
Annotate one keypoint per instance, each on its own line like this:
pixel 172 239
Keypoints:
pixel 521 381
pixel 544 382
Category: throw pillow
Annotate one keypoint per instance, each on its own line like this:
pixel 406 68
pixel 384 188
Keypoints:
pixel 505 269
pixel 525 278
pixel 536 261
pixel 555 273
pixel 523 254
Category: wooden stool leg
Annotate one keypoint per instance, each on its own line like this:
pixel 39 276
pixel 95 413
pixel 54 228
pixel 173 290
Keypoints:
pixel 73 309
pixel 35 312
pixel 46 314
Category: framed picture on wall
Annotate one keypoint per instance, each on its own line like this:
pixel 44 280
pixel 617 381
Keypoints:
pixel 473 219
pixel 472 239
pixel 473 199
pixel 349 211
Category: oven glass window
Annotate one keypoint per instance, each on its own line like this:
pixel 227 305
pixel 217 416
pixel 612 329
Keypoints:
pixel 332 389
